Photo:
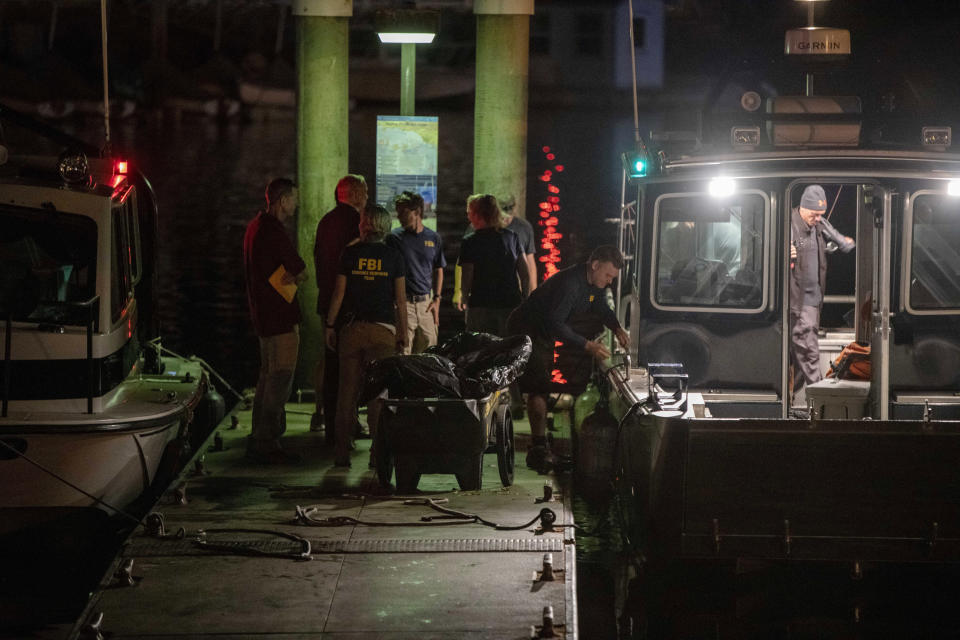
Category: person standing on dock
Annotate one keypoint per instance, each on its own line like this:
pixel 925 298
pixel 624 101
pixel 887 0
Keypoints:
pixel 423 253
pixel 809 236
pixel 272 269
pixel 369 300
pixel 338 228
pixel 519 226
pixel 495 276
pixel 545 317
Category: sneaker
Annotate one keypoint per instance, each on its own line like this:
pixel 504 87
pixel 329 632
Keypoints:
pixel 540 459
pixel 316 422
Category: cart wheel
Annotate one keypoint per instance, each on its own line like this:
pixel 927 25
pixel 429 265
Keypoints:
pixel 471 477
pixel 505 449
pixel 384 461
pixel 408 477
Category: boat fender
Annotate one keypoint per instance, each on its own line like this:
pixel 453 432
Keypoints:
pixel 210 411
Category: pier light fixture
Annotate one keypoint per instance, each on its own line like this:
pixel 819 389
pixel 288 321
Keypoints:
pixel 953 188
pixel 722 187
pixel 408 28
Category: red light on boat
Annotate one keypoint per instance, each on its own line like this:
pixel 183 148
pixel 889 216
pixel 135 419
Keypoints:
pixel 121 166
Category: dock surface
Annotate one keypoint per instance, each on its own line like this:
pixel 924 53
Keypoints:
pixel 375 569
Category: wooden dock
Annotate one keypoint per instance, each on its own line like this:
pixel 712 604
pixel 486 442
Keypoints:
pixel 312 551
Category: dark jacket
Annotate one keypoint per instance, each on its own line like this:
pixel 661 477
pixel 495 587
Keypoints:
pixel 334 232
pixel 825 232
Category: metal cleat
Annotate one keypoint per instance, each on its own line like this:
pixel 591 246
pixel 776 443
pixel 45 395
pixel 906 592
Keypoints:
pixel 234 421
pixel 547 519
pixel 153 525
pixel 198 467
pixel 123 577
pixel 547 630
pixel 180 494
pixel 547 494
pixel 91 630
pixel 217 442
pixel 547 574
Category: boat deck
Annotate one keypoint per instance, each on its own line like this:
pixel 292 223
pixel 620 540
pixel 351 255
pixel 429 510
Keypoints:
pixel 378 573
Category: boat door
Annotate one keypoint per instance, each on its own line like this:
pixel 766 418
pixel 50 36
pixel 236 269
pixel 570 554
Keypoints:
pixel 856 301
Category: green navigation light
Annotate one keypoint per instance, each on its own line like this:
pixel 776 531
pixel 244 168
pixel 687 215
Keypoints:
pixel 635 163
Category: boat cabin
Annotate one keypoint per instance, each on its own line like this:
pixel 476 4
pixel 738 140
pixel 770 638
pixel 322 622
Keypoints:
pixel 71 260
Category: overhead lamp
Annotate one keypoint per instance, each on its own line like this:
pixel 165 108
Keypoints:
pixel 953 188
pixel 722 187
pixel 406 26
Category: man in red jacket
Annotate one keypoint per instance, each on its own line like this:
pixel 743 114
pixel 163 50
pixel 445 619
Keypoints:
pixel 266 249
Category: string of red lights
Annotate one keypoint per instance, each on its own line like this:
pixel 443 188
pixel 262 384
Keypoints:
pixel 550 237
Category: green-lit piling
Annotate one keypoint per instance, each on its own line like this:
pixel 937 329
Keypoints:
pixel 500 115
pixel 322 143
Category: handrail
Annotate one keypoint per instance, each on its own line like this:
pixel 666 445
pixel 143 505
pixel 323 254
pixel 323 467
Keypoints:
pixel 93 321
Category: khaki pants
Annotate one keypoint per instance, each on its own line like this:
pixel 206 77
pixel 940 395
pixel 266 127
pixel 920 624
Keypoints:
pixel 278 360
pixel 421 329
pixel 358 344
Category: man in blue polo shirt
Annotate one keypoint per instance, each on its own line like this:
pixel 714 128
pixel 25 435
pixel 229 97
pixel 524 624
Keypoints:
pixel 423 253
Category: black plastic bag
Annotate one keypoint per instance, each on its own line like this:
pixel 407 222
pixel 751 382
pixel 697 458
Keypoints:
pixel 494 366
pixel 464 348
pixel 415 376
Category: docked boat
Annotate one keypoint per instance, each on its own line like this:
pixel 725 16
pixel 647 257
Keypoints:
pixel 94 416
pixel 712 457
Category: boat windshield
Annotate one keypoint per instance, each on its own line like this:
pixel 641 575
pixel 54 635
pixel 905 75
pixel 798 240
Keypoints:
pixel 935 253
pixel 709 253
pixel 47 265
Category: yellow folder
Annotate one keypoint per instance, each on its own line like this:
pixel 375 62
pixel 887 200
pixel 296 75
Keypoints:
pixel 285 290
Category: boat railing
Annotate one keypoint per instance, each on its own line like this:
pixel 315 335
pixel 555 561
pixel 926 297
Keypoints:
pixel 92 307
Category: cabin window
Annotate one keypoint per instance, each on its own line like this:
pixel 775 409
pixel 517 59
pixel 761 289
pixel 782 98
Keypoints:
pixel 935 253
pixel 48 263
pixel 121 278
pixel 709 253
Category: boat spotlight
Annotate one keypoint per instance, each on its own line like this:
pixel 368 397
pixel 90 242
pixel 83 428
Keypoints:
pixel 722 187
pixel 73 166
pixel 953 188
pixel 121 167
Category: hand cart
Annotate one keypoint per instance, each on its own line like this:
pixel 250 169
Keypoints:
pixel 444 435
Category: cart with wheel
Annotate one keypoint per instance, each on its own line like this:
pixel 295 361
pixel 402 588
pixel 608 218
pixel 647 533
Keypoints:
pixel 444 435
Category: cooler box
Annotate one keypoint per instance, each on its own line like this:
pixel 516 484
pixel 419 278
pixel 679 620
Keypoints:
pixel 834 399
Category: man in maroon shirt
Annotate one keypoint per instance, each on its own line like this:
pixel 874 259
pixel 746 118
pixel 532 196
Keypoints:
pixel 336 229
pixel 266 248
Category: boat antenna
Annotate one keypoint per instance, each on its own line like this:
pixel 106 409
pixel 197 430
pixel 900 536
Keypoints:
pixel 633 77
pixel 106 77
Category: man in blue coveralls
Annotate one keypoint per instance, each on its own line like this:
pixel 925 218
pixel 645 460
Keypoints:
pixel 423 253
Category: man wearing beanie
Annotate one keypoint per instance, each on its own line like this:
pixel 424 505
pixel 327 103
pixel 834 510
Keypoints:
pixel 809 234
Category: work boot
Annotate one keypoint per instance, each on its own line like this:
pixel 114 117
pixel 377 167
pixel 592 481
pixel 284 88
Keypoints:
pixel 540 459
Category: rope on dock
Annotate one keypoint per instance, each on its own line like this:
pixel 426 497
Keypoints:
pixel 547 518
